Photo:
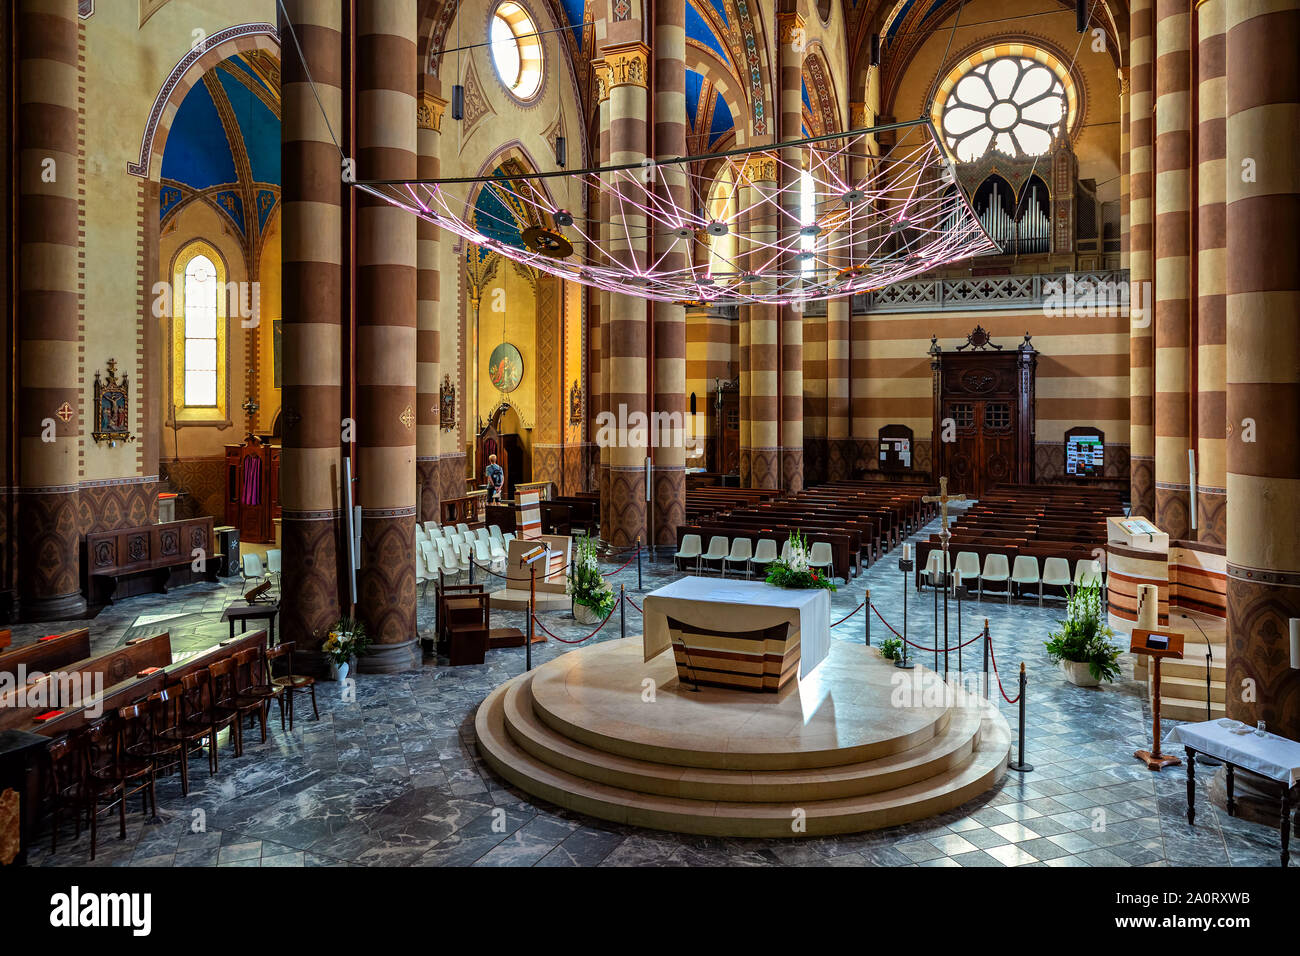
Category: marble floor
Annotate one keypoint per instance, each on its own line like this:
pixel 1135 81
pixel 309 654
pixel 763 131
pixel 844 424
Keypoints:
pixel 393 777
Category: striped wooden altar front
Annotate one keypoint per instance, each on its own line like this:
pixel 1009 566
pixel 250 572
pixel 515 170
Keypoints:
pixel 762 660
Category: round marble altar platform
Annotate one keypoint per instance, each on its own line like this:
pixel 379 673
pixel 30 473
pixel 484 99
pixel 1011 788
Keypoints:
pixel 600 731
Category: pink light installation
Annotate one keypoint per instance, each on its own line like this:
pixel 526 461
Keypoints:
pixel 833 238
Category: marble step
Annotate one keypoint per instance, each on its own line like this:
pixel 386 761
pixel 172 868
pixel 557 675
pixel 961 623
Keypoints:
pixel 1191 666
pixel 948 749
pixel 1188 688
pixel 1178 708
pixel 775 819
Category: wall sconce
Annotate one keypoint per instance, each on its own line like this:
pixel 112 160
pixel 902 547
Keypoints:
pixel 458 102
pixel 561 152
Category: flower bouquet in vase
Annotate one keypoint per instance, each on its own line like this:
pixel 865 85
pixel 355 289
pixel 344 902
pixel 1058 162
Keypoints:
pixel 592 595
pixel 792 569
pixel 346 639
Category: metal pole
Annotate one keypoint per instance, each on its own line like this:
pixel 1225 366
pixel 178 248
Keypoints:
pixel 947 583
pixel 934 586
pixel 638 565
pixel 532 610
pixel 1020 766
pixel 986 658
pixel 471 569
pixel 622 611
pixel 866 615
pixel 905 565
pixel 960 588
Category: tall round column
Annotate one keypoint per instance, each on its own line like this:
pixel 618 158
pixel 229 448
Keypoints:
pixel 49 366
pixel 1211 273
pixel 1173 121
pixel 628 326
pixel 601 405
pixel 792 43
pixel 672 253
pixel 428 341
pixel 760 194
pixel 1141 260
pixel 385 322
pixel 1263 361
pixel 838 454
pixel 312 328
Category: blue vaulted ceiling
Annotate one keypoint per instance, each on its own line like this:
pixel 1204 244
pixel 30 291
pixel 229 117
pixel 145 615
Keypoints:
pixel 223 147
pixel 707 112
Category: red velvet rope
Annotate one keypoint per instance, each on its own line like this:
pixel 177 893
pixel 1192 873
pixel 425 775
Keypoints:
pixel 993 657
pixel 618 569
pixel 849 615
pixel 581 639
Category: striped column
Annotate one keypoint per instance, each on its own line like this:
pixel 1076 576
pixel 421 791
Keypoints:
pixel 838 453
pixel 428 344
pixel 1211 272
pixel 1141 260
pixel 48 314
pixel 385 321
pixel 1125 81
pixel 312 329
pixel 628 339
pixel 602 214
pixel 1263 360
pixel 671 253
pixel 1173 125
pixel 760 176
pixel 790 51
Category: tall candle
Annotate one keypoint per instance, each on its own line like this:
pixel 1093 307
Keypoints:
pixel 907 556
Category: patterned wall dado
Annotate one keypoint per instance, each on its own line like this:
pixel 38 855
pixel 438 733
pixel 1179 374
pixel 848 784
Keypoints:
pixel 201 483
pixel 1173 512
pixel 669 503
pixel 1212 516
pixel 427 473
pixel 792 473
pixel 548 463
pixel 625 524
pixel 765 468
pixel 117 503
pixel 451 470
pixel 386 584
pixel 816 460
pixel 1142 485
pixel 1259 606
pixel 48 532
pixel 310 586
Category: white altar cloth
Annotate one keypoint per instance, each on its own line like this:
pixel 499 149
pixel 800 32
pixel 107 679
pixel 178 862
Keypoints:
pixel 1277 758
pixel 740 606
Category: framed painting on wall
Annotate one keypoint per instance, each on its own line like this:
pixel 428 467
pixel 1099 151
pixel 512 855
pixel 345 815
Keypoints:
pixel 505 367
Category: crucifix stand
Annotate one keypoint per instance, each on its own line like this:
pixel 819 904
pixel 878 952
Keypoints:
pixel 944 574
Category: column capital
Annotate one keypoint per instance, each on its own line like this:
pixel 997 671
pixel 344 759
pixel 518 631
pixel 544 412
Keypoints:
pixel 601 69
pixel 791 29
pixel 428 112
pixel 1123 75
pixel 858 115
pixel 627 65
pixel 760 168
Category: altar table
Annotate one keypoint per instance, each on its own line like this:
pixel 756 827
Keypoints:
pixel 758 630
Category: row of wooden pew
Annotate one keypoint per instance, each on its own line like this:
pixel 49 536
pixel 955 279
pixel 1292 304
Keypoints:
pixel 860 520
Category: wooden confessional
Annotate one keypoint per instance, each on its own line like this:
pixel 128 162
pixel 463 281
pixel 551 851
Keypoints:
pixel 253 488
pixel 983 413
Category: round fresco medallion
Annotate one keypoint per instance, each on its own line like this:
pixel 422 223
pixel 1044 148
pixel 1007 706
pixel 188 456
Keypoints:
pixel 505 367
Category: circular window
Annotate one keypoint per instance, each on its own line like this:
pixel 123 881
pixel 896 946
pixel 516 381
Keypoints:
pixel 516 49
pixel 1011 104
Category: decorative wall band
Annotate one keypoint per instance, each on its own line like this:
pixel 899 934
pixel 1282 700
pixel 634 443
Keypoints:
pixel 1284 579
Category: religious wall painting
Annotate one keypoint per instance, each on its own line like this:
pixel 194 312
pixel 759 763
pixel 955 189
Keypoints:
pixel 447 404
pixel 577 406
pixel 112 407
pixel 277 340
pixel 505 367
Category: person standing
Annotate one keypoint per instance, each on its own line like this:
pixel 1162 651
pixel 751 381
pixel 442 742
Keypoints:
pixel 496 478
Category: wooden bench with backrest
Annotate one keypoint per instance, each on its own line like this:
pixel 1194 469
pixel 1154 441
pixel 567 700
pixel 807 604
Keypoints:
pixel 149 559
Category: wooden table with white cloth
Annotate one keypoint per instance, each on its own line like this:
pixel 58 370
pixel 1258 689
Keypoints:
pixel 738 633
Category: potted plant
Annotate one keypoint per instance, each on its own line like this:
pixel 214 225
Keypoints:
pixel 891 649
pixel 347 638
pixel 794 571
pixel 592 595
pixel 1082 646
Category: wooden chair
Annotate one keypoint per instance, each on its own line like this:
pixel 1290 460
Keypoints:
pixel 162 752
pixel 290 683
pixel 111 776
pixel 176 722
pixel 65 784
pixel 253 687
pixel 273 655
pixel 219 696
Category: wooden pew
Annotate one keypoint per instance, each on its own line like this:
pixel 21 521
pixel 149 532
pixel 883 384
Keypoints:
pixel 46 654
pixel 148 559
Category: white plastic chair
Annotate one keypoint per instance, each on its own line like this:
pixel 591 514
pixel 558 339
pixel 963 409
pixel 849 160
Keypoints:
pixel 1024 571
pixel 494 532
pixel 1086 573
pixel 431 527
pixel 462 527
pixel 1056 574
pixel 785 550
pixel 996 571
pixel 690 550
pixel 483 556
pixel 764 554
pixel 821 556
pixel 742 549
pixel 250 566
pixel 967 567
pixel 719 546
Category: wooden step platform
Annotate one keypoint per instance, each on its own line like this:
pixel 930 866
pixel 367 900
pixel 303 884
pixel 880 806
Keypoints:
pixel 832 754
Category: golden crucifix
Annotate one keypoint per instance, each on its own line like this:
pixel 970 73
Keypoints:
pixel 942 498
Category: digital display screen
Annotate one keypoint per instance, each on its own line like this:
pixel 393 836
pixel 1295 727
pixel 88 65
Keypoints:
pixel 1084 455
pixel 1158 642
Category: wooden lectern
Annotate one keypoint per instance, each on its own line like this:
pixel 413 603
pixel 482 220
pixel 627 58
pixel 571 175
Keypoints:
pixel 1157 645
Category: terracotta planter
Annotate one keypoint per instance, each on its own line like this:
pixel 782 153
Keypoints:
pixel 1078 673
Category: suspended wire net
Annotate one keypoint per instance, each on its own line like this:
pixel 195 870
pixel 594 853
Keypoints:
pixel 782 233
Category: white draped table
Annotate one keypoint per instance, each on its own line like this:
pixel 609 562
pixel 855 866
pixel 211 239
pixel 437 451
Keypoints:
pixel 740 607
pixel 1268 755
